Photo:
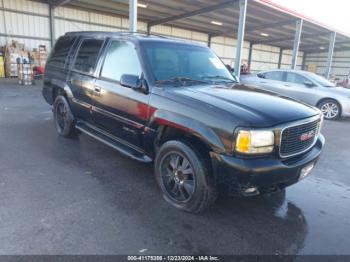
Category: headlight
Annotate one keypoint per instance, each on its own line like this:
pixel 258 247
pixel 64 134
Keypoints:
pixel 254 142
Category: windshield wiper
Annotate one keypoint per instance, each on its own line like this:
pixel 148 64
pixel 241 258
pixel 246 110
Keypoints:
pixel 219 77
pixel 181 80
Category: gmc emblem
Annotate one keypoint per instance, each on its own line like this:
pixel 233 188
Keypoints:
pixel 307 136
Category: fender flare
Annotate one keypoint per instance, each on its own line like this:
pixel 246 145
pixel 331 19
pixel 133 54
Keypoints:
pixel 184 123
pixel 63 85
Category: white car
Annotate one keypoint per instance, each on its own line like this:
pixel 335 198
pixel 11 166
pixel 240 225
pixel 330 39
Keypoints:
pixel 307 87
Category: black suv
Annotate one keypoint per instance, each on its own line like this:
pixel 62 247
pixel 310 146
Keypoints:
pixel 176 104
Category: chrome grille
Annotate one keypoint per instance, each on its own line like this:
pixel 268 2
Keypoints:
pixel 297 139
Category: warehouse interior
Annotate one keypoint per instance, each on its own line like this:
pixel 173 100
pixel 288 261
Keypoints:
pixel 274 37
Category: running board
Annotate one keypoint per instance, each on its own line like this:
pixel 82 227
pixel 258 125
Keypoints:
pixel 112 141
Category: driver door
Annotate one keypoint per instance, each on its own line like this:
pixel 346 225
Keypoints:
pixel 295 87
pixel 120 110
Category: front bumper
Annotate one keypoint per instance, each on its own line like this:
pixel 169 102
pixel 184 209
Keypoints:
pixel 236 175
pixel 345 106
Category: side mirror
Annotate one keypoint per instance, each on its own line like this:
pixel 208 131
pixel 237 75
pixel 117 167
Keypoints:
pixel 134 82
pixel 260 76
pixel 309 84
pixel 131 81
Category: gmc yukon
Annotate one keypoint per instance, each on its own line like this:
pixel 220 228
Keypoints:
pixel 175 104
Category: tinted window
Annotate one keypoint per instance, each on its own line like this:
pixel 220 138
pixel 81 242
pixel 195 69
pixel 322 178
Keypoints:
pixel 121 59
pixel 87 55
pixel 60 52
pixel 274 75
pixel 168 61
pixel 296 79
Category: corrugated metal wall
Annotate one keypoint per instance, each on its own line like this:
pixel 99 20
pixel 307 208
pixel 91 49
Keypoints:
pixel 24 21
pixel 340 66
pixel 28 22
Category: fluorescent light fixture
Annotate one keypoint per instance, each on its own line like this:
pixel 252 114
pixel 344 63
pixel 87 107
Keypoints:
pixel 264 34
pixel 216 23
pixel 322 47
pixel 142 5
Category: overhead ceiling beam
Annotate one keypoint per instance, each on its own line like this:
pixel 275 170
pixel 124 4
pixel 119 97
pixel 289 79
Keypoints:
pixel 345 42
pixel 283 39
pixel 310 51
pixel 271 25
pixel 259 27
pixel 193 13
pixel 56 3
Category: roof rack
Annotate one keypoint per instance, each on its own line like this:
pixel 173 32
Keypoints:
pixel 122 33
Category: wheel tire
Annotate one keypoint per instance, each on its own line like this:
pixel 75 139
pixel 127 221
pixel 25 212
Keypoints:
pixel 330 109
pixel 63 117
pixel 204 190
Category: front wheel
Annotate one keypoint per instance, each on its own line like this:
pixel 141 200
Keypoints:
pixel 183 177
pixel 330 109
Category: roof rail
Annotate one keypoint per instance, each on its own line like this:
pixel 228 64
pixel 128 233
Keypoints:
pixel 126 33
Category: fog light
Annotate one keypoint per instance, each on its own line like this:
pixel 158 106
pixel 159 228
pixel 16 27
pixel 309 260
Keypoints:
pixel 305 171
pixel 250 190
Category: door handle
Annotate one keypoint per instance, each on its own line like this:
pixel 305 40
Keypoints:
pixel 97 89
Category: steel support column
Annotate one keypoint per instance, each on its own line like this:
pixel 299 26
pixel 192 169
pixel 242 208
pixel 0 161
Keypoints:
pixel 52 24
pixel 280 58
pixel 299 28
pixel 303 65
pixel 240 36
pixel 330 53
pixel 209 40
pixel 250 54
pixel 132 15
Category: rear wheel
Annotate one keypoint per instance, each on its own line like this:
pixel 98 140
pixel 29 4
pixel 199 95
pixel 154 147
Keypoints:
pixel 63 117
pixel 330 109
pixel 183 177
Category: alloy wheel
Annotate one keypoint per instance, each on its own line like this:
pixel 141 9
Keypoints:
pixel 177 177
pixel 61 115
pixel 330 110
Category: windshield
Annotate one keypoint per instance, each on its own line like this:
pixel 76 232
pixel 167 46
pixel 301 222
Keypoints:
pixel 183 64
pixel 320 80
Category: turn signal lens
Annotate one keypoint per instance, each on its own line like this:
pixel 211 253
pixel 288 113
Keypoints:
pixel 255 142
pixel 243 142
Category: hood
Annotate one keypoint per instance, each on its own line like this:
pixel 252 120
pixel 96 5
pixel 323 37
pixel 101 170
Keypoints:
pixel 246 105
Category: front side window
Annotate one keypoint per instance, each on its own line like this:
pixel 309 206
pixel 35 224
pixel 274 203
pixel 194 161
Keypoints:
pixel 190 63
pixel 121 59
pixel 296 79
pixel 87 56
pixel 276 75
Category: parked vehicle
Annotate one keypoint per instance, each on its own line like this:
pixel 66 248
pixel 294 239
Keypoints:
pixel 176 104
pixel 334 102
pixel 346 81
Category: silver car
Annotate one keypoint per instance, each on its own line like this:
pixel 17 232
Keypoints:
pixel 307 87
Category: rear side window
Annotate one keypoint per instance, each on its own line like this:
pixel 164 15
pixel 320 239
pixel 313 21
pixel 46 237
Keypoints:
pixel 87 55
pixel 121 59
pixel 274 75
pixel 60 52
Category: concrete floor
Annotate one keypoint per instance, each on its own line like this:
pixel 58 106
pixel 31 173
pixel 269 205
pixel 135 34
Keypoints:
pixel 60 196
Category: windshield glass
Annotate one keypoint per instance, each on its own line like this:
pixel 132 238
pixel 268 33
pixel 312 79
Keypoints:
pixel 185 64
pixel 320 80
